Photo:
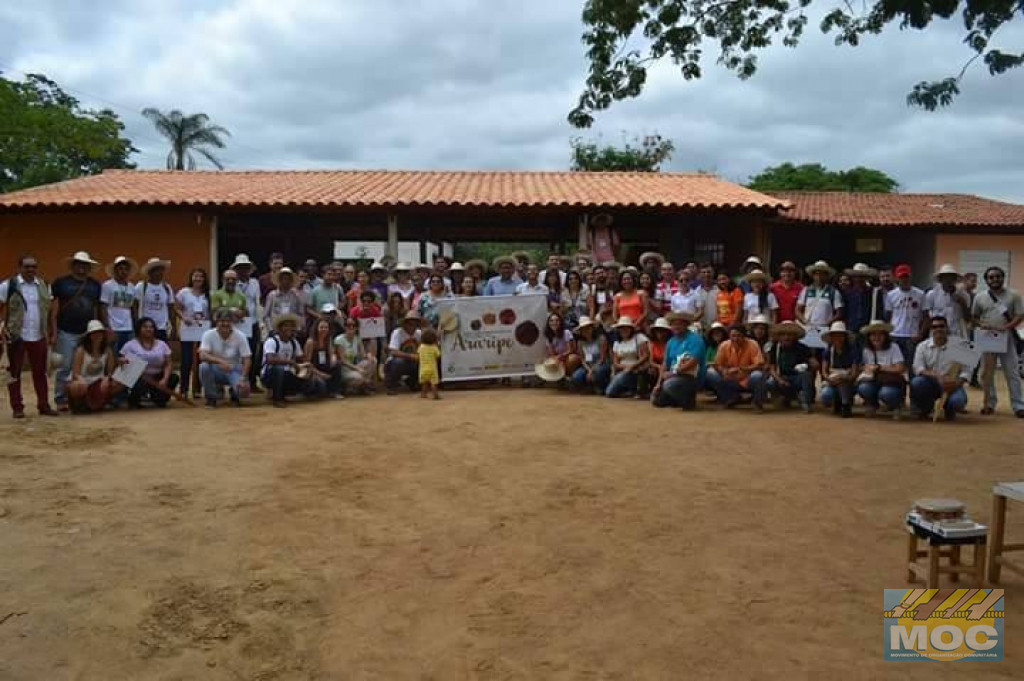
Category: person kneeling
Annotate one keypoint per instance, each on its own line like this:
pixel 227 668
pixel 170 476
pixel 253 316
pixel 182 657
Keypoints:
pixel 225 359
pixel 91 387
pixel 791 367
pixel 284 369
pixel 683 365
pixel 839 369
pixel 739 366
pixel 936 376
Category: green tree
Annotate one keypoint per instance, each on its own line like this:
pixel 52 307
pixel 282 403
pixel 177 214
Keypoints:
pixel 679 29
pixel 816 177
pixel 188 135
pixel 46 136
pixel 643 154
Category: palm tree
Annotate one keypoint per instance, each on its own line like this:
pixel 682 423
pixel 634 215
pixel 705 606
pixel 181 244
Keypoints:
pixel 188 135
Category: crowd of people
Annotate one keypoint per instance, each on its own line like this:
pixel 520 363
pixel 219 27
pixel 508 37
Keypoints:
pixel 650 331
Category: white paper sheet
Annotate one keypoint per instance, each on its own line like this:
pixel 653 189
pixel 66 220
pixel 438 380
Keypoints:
pixel 129 374
pixel 991 341
pixel 193 332
pixel 963 352
pixel 813 337
pixel 371 327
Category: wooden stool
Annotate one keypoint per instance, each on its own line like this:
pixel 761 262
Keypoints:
pixel 1000 493
pixel 943 547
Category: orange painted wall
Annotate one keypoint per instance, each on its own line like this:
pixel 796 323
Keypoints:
pixel 948 247
pixel 181 237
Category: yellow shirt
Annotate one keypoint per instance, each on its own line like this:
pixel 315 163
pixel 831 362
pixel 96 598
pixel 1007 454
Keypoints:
pixel 428 354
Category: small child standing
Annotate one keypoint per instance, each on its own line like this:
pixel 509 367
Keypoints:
pixel 429 353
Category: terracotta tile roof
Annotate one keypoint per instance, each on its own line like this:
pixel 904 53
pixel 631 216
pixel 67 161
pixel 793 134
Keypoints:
pixel 390 188
pixel 908 210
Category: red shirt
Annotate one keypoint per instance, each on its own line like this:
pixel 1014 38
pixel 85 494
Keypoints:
pixel 358 312
pixel 787 299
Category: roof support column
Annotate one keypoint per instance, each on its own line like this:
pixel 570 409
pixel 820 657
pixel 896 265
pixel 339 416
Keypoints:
pixel 214 254
pixel 392 249
pixel 582 231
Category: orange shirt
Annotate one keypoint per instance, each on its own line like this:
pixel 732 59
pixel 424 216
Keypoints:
pixel 732 356
pixel 630 305
pixel 728 305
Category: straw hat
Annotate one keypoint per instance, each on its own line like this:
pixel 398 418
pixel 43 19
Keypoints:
pixel 411 315
pixel 550 370
pixel 242 260
pixel 789 327
pixel 585 321
pixel 672 316
pixel 502 259
pixel 758 319
pixel 612 265
pixel 424 267
pixel 83 256
pixel 716 326
pixel 947 269
pixel 837 327
pixel 54 360
pixel 456 267
pixel 277 275
pixel 377 267
pixel 753 260
pixel 133 267
pixel 152 263
pixel 281 319
pixel 448 321
pixel 303 371
pixel 756 275
pixel 625 321
pixel 861 270
pixel 522 255
pixel 403 267
pixel 820 266
pixel 661 323
pixel 876 325
pixel 651 255
pixel 477 262
pixel 94 326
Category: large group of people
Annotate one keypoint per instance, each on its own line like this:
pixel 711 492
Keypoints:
pixel 651 331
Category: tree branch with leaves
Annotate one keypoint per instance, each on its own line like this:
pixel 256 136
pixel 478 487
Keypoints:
pixel 680 30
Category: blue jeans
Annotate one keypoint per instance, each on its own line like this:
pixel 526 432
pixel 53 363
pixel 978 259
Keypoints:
pixel 844 391
pixel 907 347
pixel 281 383
pixel 65 347
pixel 398 367
pixel 598 379
pixel 623 383
pixel 801 387
pixel 728 391
pixel 925 390
pixel 874 393
pixel 677 391
pixel 214 377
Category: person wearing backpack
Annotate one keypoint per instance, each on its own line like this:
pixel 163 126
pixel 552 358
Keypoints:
pixel 74 303
pixel 24 329
pixel 154 298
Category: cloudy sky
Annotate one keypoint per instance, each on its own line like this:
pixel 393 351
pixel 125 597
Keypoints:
pixel 487 84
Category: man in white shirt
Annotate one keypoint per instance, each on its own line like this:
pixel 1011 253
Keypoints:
pixel 554 263
pixel 937 376
pixel 24 324
pixel 117 297
pixel 403 360
pixel 1000 309
pixel 250 286
pixel 818 305
pixel 155 299
pixel 532 285
pixel 946 300
pixel 904 306
pixel 282 356
pixel 226 357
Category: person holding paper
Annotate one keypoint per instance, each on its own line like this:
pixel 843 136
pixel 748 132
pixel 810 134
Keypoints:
pixel 154 298
pixel 839 368
pixel 283 300
pixel 117 299
pixel 881 381
pixel 936 375
pixel 320 351
pixel 999 310
pixel 945 299
pixel 192 306
pixel 225 357
pixel 157 383
pixel 904 309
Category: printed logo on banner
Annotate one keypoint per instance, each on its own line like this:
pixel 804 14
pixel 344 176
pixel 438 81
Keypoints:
pixel 944 625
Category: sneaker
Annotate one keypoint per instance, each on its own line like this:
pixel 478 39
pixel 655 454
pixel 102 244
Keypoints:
pixel 19 414
pixel 48 411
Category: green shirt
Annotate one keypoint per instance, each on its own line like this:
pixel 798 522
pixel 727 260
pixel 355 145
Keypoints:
pixel 322 295
pixel 221 299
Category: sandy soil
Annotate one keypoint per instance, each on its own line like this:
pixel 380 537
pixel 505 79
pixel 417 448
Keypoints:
pixel 501 534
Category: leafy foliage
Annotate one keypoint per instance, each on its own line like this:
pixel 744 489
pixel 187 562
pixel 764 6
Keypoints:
pixel 816 177
pixel 46 136
pixel 678 30
pixel 644 154
pixel 189 135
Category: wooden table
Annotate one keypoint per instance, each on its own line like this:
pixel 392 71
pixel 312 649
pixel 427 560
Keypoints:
pixel 943 547
pixel 1002 492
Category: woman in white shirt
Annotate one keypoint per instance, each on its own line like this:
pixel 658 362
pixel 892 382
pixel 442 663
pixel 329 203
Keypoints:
pixel 629 358
pixel 760 301
pixel 192 305
pixel 883 378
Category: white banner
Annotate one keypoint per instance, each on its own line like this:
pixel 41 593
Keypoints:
pixel 491 336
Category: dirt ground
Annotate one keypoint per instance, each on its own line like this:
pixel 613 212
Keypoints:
pixel 497 534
